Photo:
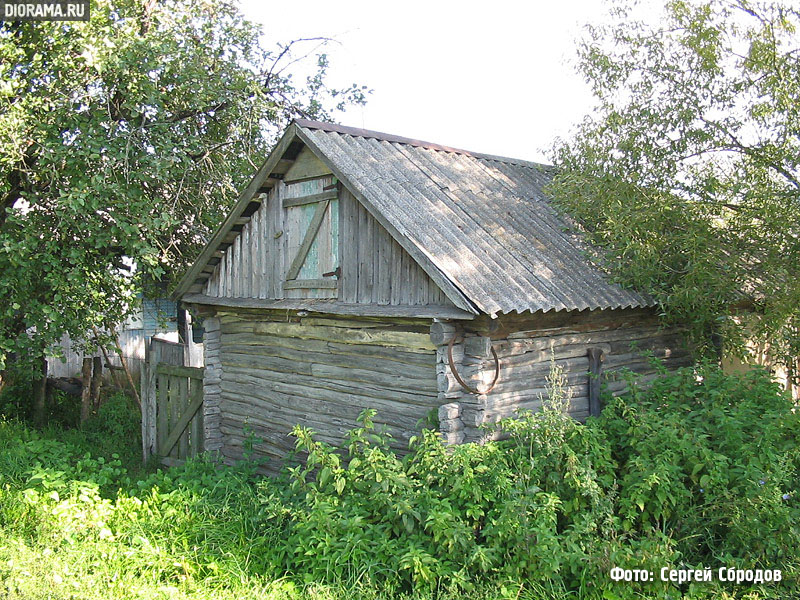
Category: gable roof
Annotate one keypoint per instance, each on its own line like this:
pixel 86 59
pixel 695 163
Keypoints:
pixel 479 225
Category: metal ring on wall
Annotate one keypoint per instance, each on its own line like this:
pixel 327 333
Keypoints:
pixel 463 383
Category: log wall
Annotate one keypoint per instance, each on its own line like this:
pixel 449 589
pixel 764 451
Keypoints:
pixel 278 371
pixel 268 371
pixel 212 390
pixel 529 347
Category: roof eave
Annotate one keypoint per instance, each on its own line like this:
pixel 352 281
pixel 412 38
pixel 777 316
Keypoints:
pixel 241 204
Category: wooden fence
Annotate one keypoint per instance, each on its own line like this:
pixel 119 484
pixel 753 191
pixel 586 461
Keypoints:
pixel 172 401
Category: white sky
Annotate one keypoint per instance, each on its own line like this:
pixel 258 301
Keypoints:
pixel 494 77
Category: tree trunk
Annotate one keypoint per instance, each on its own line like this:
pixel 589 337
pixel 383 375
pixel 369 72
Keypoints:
pixel 40 397
pixel 97 382
pixel 86 393
pixel 127 371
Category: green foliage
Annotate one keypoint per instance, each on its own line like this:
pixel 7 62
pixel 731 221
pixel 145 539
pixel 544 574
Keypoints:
pixel 125 139
pixel 712 459
pixel 686 174
pixel 698 470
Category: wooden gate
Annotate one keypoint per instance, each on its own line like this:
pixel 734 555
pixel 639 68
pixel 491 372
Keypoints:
pixel 172 401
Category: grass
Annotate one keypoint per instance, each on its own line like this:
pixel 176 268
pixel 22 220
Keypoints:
pixel 541 516
pixel 82 519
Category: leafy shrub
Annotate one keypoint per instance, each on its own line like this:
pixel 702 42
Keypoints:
pixel 699 469
pixel 713 460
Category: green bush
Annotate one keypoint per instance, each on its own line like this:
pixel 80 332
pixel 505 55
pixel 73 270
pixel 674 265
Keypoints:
pixel 712 459
pixel 697 470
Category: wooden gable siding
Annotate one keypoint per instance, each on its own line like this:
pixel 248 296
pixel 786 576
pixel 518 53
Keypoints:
pixel 374 268
pixel 306 166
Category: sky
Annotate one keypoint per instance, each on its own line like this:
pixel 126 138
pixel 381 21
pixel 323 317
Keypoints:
pixel 494 76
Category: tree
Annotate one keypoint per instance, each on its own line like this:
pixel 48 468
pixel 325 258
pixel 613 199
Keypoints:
pixel 687 174
pixel 123 140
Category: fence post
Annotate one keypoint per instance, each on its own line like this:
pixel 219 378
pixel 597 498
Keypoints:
pixel 143 379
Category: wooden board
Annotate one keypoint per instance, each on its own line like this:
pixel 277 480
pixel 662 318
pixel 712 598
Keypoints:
pixel 306 166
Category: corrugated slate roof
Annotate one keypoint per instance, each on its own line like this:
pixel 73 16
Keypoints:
pixel 482 220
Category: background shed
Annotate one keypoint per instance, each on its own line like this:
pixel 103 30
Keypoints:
pixel 156 317
pixel 360 269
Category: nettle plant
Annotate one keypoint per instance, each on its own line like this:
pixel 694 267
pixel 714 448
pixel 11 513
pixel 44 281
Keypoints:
pixel 698 468
pixel 711 459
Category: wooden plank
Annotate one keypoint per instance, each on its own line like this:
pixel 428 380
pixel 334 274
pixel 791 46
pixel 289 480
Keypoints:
pixel 229 272
pixel 180 425
pixel 397 273
pixel 311 233
pixel 172 393
pixel 279 235
pixel 311 199
pixel 223 274
pixel 237 267
pixel 348 248
pixel 283 166
pixel 180 371
pixel 163 410
pixel 270 243
pixel 382 292
pixel 332 258
pixel 331 307
pixel 412 283
pixel 405 279
pixel 195 394
pixel 306 166
pixel 265 290
pixel 246 271
pixel 183 401
pixel 256 245
pixel 294 284
pixel 366 253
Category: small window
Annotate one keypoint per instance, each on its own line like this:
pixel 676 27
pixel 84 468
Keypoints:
pixel 312 241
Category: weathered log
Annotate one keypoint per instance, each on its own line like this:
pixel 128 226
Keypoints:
pixel 69 385
pixel 442 332
pixel 86 397
pixel 303 385
pixel 359 360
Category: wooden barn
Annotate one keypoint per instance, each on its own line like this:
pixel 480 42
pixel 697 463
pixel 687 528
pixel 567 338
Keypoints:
pixel 360 269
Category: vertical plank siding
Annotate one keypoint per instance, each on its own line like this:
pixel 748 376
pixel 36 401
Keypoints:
pixel 317 372
pixel 374 268
pixel 131 341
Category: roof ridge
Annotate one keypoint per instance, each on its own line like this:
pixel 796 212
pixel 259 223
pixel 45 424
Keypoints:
pixel 388 137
